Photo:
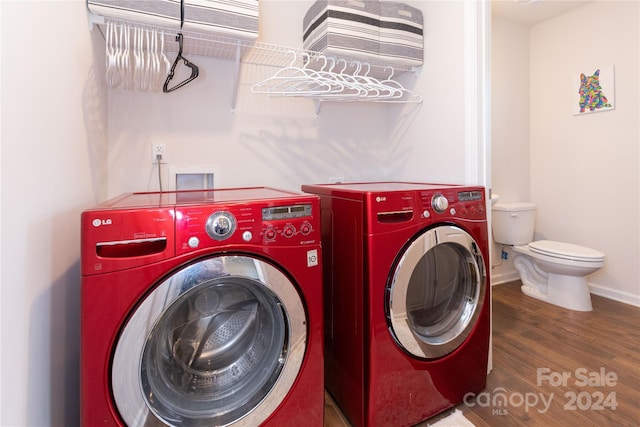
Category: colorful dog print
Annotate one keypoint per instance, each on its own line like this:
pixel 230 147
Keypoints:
pixel 590 91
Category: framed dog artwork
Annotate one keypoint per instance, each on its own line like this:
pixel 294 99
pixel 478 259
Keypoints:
pixel 594 91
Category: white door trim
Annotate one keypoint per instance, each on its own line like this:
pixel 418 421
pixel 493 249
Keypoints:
pixel 477 90
pixel 477 54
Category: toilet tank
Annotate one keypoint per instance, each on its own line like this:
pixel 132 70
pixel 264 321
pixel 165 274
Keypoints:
pixel 513 223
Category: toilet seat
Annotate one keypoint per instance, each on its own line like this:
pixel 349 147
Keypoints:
pixel 566 251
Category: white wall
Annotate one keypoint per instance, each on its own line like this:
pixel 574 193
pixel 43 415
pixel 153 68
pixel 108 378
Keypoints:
pixel 280 141
pixel 68 143
pixel 585 169
pixel 582 171
pixel 53 151
pixel 510 172
pixel 510 109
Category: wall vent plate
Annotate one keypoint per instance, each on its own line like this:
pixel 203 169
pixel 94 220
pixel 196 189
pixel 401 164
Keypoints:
pixel 193 178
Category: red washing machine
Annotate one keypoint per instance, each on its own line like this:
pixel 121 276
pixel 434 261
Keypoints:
pixel 407 307
pixel 202 308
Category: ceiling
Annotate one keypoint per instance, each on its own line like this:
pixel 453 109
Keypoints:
pixel 532 12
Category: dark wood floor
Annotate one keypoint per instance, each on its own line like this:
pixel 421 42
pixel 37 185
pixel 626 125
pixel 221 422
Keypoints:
pixel 574 368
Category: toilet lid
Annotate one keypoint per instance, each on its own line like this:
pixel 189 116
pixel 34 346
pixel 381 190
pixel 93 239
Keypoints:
pixel 566 251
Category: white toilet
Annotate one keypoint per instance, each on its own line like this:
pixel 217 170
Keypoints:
pixel 554 272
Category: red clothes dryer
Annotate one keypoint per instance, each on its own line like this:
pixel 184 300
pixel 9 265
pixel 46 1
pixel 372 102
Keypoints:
pixel 202 308
pixel 406 298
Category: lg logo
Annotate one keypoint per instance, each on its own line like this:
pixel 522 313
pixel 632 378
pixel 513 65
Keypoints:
pixel 98 222
pixel 381 199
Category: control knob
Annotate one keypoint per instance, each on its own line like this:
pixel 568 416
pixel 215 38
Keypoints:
pixel 221 225
pixel 288 231
pixel 270 234
pixel 305 228
pixel 439 203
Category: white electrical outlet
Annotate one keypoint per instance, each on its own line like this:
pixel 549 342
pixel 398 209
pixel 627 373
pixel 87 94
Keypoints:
pixel 158 149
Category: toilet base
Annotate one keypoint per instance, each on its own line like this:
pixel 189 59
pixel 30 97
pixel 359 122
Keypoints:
pixel 564 293
pixel 571 292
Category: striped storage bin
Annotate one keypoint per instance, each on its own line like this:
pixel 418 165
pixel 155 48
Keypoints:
pixel 401 34
pixel 229 18
pixel 164 13
pixel 343 28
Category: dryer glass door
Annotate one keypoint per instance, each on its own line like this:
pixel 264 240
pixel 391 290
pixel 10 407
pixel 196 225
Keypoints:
pixel 436 292
pixel 219 341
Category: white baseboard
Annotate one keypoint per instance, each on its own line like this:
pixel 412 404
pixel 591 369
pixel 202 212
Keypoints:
pixel 498 279
pixel 615 295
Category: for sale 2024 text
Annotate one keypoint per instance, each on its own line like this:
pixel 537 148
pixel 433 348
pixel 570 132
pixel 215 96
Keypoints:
pixel 582 377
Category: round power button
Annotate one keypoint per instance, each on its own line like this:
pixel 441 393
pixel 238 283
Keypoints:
pixel 193 242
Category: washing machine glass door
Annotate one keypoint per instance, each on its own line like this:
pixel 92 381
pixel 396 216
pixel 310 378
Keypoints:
pixel 219 342
pixel 436 292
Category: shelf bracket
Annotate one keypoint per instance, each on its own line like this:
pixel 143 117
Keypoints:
pixel 94 20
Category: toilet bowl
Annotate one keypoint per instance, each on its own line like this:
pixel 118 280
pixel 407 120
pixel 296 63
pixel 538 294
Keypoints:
pixel 555 272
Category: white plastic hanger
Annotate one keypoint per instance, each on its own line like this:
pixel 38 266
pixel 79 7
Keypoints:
pixel 406 96
pixel 291 77
pixel 112 74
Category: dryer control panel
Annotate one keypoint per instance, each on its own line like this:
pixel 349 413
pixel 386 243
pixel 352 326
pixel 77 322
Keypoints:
pixel 390 210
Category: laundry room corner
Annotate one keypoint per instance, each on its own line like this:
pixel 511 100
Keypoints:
pixel 53 104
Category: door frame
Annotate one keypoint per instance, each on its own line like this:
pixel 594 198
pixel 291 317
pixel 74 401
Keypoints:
pixel 477 80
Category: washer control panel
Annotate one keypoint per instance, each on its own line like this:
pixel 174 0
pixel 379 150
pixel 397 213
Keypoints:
pixel 263 223
pixel 468 204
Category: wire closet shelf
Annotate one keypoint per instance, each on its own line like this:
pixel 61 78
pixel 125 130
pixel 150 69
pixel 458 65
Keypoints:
pixel 120 36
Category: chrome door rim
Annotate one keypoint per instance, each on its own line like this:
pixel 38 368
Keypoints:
pixel 125 374
pixel 398 316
